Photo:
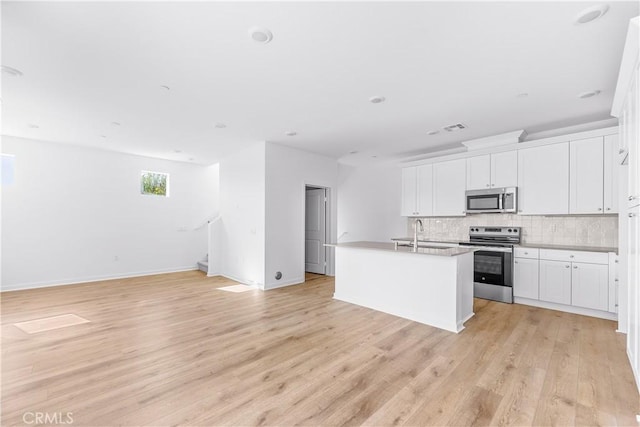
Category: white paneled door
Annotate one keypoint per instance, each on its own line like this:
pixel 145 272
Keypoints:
pixel 315 231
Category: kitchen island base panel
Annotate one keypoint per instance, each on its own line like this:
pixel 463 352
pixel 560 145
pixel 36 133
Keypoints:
pixel 430 289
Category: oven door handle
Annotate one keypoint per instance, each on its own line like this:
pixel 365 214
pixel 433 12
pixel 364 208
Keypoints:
pixel 501 201
pixel 487 248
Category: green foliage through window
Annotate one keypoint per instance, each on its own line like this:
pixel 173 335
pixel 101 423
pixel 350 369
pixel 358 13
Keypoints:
pixel 155 183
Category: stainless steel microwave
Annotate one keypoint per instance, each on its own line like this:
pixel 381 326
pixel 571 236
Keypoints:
pixel 493 200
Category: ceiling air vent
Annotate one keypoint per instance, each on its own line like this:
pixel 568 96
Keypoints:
pixel 453 128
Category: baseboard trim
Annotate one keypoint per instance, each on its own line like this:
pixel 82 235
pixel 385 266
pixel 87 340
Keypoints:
pixel 54 283
pixel 296 281
pixel 241 281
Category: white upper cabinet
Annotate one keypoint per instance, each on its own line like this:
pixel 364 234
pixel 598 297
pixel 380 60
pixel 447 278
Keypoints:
pixel 425 190
pixel 504 169
pixel 417 191
pixel 611 174
pixel 586 176
pixel 479 172
pixel 409 192
pixel 543 180
pixel 449 182
pixel 492 171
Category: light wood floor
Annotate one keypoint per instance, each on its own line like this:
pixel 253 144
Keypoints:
pixel 171 349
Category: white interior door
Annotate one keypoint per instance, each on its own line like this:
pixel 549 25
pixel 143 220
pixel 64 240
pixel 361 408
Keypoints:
pixel 315 231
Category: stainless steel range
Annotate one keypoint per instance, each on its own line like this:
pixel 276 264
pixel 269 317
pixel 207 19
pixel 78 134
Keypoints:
pixel 493 261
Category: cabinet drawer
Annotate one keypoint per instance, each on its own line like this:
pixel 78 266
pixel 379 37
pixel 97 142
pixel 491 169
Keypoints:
pixel 532 253
pixel 575 256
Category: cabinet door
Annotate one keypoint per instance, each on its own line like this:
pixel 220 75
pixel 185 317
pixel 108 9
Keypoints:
pixel 543 180
pixel 425 190
pixel 555 281
pixel 479 172
pixel 590 286
pixel 586 172
pixel 504 169
pixel 525 278
pixel 409 192
pixel 633 278
pixel 632 134
pixel 449 182
pixel 611 174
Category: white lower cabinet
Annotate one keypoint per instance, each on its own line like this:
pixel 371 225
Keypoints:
pixel 575 281
pixel 525 278
pixel 590 286
pixel 555 281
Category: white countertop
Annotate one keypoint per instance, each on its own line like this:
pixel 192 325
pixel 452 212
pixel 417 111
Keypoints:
pixel 390 247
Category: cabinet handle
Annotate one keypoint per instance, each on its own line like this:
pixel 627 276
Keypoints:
pixel 575 266
pixel 515 262
pixel 493 185
pixel 631 198
pixel 608 209
pixel 616 261
pixel 570 256
pixel 599 209
pixel 631 215
pixel 615 280
pixel 488 185
pixel 620 151
pixel 567 266
pixel 526 253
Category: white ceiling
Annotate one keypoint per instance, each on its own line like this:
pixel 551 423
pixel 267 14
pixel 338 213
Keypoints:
pixel 87 65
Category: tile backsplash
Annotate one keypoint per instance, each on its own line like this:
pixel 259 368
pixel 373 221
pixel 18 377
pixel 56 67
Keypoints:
pixel 583 230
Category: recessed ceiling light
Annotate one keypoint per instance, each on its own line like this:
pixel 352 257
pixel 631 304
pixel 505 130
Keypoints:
pixel 103 136
pixel 260 35
pixel 290 133
pixel 33 126
pixel 353 152
pixel 11 71
pixel 522 95
pixel 177 151
pixel 191 159
pixel 374 157
pixel 219 125
pixel 433 132
pixel 115 124
pixel 588 94
pixel 165 87
pixel 377 99
pixel 590 14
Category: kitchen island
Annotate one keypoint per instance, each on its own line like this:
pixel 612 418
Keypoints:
pixel 430 285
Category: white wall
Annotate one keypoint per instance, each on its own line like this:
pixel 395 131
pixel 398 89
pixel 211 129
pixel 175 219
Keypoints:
pixel 71 211
pixel 242 209
pixel 287 172
pixel 369 203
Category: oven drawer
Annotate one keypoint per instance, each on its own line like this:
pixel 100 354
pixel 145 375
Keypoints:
pixel 532 253
pixel 575 256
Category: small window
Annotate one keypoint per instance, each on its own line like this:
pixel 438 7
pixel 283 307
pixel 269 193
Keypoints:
pixel 154 183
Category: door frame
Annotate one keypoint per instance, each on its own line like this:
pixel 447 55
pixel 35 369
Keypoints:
pixel 328 229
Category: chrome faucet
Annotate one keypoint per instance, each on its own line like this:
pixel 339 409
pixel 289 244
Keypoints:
pixel 415 234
